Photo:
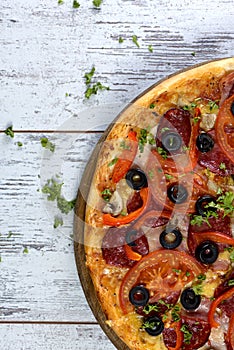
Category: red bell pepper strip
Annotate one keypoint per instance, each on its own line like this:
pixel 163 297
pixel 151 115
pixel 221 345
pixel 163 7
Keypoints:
pixel 230 334
pixel 215 304
pixel 110 220
pixel 179 338
pixel 131 254
pixel 125 160
pixel 215 236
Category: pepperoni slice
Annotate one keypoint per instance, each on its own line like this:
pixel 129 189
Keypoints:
pixel 197 330
pixel 113 244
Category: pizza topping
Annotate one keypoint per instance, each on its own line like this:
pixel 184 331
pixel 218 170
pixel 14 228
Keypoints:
pixel 204 142
pixel 201 205
pixel 207 252
pixel 177 193
pixel 189 299
pixel 232 108
pixel 221 302
pixel 153 326
pixel 134 203
pixel 136 179
pixel 115 204
pixel 114 244
pixel 139 296
pixel 227 87
pixel 170 239
pixel 172 336
pixel 171 142
pixel 195 332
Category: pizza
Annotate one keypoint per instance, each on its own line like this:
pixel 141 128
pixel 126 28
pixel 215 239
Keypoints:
pixel 158 233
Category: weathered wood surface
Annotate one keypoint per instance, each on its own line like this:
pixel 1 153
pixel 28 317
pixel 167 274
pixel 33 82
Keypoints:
pixel 45 50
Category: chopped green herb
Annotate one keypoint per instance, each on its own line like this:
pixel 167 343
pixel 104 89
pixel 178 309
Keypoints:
pixel 196 120
pixel 144 138
pixel 124 212
pixel 88 76
pixel 197 288
pixel 213 105
pixel 164 129
pixel 190 107
pixel 0 258
pixel 187 334
pixel 231 283
pixel 201 277
pixel 47 144
pixel 58 222
pixel 25 251
pixel 225 203
pixel 121 40
pixel 97 3
pixel 175 313
pixel 9 131
pixel 150 325
pixel 148 308
pixel 60 2
pixel 134 40
pixel 93 90
pixel 185 148
pixel 113 162
pixel 199 219
pixel 231 256
pixel 150 48
pixel 123 145
pixel 106 194
pixel 193 53
pixel 187 273
pixel 10 233
pixel 162 152
pixel 176 271
pixel 76 4
pixel 53 190
pixel 222 166
pixel 152 105
pixel 19 144
pixel 151 174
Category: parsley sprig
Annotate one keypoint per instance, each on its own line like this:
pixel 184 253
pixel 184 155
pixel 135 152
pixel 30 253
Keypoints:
pixel 144 138
pixel 9 131
pixel 47 144
pixel 187 334
pixel 224 203
pixel 93 88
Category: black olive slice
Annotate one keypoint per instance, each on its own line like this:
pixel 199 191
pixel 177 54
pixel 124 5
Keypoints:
pixel 139 296
pixel 170 239
pixel 136 179
pixel 204 142
pixel 131 237
pixel 207 252
pixel 232 108
pixel 189 299
pixel 177 193
pixel 171 141
pixel 156 325
pixel 202 202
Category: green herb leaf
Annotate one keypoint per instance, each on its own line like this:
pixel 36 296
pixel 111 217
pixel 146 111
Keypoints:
pixel 150 325
pixel 162 152
pixel 213 105
pixel 60 2
pixel 93 90
pixel 168 176
pixel 113 162
pixel 19 144
pixel 121 40
pixel 152 105
pixel 76 4
pixel 134 40
pixel 97 3
pixel 148 308
pixel 106 194
pixel 175 313
pixel 199 219
pixel 222 166
pixel 124 145
pixel 190 107
pixel 144 138
pixel 25 251
pixel 225 203
pixel 9 131
pixel 47 144
pixel 58 222
pixel 150 48
pixel 231 283
pixel 193 53
pixel 88 76
pixel 53 190
pixel 187 334
pixel 201 277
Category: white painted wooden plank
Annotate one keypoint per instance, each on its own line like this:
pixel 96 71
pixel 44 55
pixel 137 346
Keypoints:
pixel 46 49
pixel 43 284
pixel 53 337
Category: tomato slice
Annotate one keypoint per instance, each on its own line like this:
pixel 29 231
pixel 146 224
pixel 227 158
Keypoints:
pixel 215 304
pixel 224 128
pixel 158 272
pixel 125 160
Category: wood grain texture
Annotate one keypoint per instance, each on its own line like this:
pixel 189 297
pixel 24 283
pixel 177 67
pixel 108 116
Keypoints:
pixel 45 50
pixel 53 337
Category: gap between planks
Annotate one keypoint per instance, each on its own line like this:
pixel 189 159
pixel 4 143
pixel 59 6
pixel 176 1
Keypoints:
pixel 50 322
pixel 56 131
